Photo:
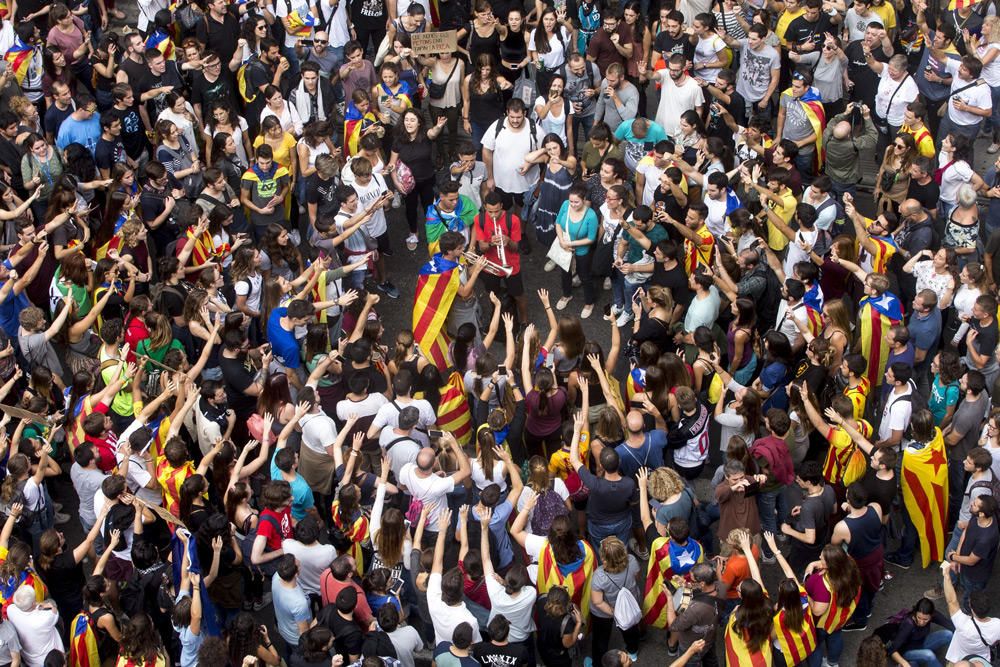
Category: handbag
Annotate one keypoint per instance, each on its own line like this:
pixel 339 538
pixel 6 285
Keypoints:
pixel 560 256
pixel 436 91
pixel 403 178
pixel 994 648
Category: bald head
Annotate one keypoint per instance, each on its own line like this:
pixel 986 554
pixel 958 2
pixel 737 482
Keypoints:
pixel 425 459
pixel 634 421
pixel 909 207
pixel 842 130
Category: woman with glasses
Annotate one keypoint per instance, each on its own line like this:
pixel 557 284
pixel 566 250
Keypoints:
pixel 484 96
pixel 893 180
pixel 41 168
pixel 828 73
pixel 223 119
pixel 248 45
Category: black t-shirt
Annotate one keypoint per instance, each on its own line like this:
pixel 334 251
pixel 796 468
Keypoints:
pixel 927 195
pixel 323 193
pixel 171 77
pixel 676 280
pixel 986 340
pixel 377 383
pixel 417 156
pixel 666 201
pixel 668 46
pixel 108 153
pixel 454 14
pixel 717 127
pixel 981 542
pixel 205 92
pixel 348 638
pixel 64 577
pixel 133 135
pixel 238 375
pixel 219 37
pixel 10 157
pixel 371 12
pixel 136 72
pixel 858 71
pixel 801 31
pixel 489 654
pixel 54 116
pixel 153 205
pixel 881 491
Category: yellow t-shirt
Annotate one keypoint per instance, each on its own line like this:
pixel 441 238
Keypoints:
pixel 786 209
pixel 887 13
pixel 283 154
pixel 783 21
pixel 923 139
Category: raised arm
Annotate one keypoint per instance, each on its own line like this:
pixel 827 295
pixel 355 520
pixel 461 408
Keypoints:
pixel 444 520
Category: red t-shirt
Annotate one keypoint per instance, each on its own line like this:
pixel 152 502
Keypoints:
pixel 475 590
pixel 267 528
pixel 485 228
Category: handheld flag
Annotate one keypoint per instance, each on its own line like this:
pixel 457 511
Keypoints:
pixel 18 58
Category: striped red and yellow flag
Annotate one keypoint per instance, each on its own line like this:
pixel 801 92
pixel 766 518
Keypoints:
pixel 858 396
pixel 925 494
pixel 356 531
pixel 814 320
pixel 318 294
pixel 841 465
pixel 83 643
pixel 454 414
pixel 204 247
pixel 437 285
pixel 876 317
pixel 170 479
pixel 796 645
pixel 18 57
pixel 576 583
pixel 738 654
pixel 656 596
pixel 837 613
pixel 162 42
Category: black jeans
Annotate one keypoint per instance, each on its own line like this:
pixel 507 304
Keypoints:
pixel 583 263
pixel 424 190
pixel 601 629
pixel 364 33
pixel 451 113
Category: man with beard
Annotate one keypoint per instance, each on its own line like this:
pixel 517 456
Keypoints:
pixel 618 100
pixel 133 64
pixel 671 38
pixel 680 93
pixel 862 80
pixel 313 98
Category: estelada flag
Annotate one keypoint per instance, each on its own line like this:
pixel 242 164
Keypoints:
pixel 666 558
pixel 355 123
pixel 812 105
pixel 318 294
pixel 27 577
pixel 844 464
pixel 575 581
pixel 83 643
pixel 875 318
pixel 300 26
pixel 437 285
pixel 925 494
pixel 356 531
pixel 738 654
pixel 454 414
pixel 162 42
pixel 18 57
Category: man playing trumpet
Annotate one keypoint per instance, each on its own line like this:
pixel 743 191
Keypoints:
pixel 498 235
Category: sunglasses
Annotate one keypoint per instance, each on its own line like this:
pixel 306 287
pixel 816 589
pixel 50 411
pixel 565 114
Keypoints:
pixel 320 41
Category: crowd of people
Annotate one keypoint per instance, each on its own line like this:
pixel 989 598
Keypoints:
pixel 785 399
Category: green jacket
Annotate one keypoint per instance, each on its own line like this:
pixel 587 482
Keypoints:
pixel 843 164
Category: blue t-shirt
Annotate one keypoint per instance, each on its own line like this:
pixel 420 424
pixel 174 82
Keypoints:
pixel 283 343
pixel 190 642
pixel 10 311
pixel 302 495
pixel 585 229
pixel 290 607
pixel 83 132
pixel 650 455
pixel 501 537
pixel 942 396
pixel 773 378
pixel 924 333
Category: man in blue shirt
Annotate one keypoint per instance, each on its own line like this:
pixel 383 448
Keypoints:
pixel 925 331
pixel 81 127
pixel 281 335
pixel 639 136
pixel 490 499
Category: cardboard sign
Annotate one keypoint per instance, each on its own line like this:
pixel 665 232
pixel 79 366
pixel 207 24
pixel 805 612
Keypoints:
pixel 161 512
pixel 433 43
pixel 21 413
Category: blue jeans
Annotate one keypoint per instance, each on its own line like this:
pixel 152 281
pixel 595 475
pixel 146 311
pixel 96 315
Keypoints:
pixel 621 529
pixel 948 126
pixel 833 645
pixel 622 291
pixel 968 587
pixel 926 656
pixel 478 132
pixel 804 163
pixel 582 125
pixel 772 507
pixel 840 188
pixel 993 122
pixel 338 88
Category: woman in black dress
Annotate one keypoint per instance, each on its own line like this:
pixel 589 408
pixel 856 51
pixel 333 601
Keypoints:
pixel 513 45
pixel 484 97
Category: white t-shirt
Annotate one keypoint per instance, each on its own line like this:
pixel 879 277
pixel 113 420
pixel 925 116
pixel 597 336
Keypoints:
pixel 38 634
pixel 857 24
pixel 675 100
pixel 406 640
pixel 647 167
pixel 313 559
pixel 516 609
pixel 966 640
pixel 318 432
pixel 479 475
pixel 402 452
pixel 509 149
pixel 716 221
pixel 446 618
pixel 250 288
pixel 555 58
pixel 555 121
pixel 977 96
pixel 388 416
pixel 706 51
pixel 363 408
pixel 376 226
pixel 797 254
pixel 281 10
pixel 907 92
pixel 431 491
pixel 895 414
pixel 954 176
pixel 991 72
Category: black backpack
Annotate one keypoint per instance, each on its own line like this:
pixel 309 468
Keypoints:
pixel 770 300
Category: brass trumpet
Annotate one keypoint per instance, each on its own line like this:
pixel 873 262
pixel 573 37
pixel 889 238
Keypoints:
pixel 492 267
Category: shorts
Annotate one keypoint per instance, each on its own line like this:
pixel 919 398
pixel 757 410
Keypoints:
pixel 118 569
pixel 514 285
pixel 384 246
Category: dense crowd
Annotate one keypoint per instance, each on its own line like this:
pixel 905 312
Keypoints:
pixel 774 206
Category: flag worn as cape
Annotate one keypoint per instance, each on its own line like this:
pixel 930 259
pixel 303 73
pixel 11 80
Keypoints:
pixel 875 318
pixel 666 558
pixel 318 294
pixel 27 577
pixel 574 577
pixel 796 645
pixel 204 247
pixel 355 123
pixel 454 415
pixel 814 297
pixel 18 58
pixel 171 479
pixel 356 531
pixel 437 285
pixel 925 494
pixel 738 654
pixel 162 42
pixel 437 223
pixel 841 465
pixel 83 643
pixel 812 104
